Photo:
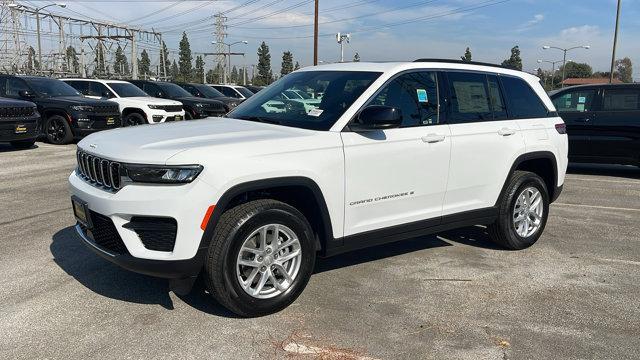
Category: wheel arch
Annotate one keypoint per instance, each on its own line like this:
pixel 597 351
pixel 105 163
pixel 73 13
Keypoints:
pixel 48 112
pixel 129 110
pixel 300 192
pixel 542 163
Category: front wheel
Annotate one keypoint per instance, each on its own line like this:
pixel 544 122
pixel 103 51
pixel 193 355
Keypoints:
pixel 58 131
pixel 524 209
pixel 260 258
pixel 134 119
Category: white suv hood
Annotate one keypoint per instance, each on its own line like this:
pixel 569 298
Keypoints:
pixel 155 144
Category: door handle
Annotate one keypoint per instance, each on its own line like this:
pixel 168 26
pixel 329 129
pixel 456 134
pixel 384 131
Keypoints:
pixel 584 120
pixel 433 138
pixel 506 132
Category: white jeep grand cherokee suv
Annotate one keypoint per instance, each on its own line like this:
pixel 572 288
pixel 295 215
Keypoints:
pixel 136 106
pixel 393 151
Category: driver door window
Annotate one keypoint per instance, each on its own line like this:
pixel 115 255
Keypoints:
pixel 14 86
pixel 416 95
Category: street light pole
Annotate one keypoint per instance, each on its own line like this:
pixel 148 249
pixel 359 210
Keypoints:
pixel 615 42
pixel 224 71
pixel 564 58
pixel 553 68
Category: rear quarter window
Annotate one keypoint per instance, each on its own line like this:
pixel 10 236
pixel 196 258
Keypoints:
pixel 523 102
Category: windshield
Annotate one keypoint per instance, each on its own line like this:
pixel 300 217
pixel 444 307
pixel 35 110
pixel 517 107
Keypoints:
pixel 51 87
pixel 335 91
pixel 208 91
pixel 244 91
pixel 303 94
pixel 174 90
pixel 127 90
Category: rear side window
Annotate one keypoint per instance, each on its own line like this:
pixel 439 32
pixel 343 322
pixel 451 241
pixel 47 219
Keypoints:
pixel 469 97
pixel 621 100
pixel 524 103
pixel 575 101
pixel 14 86
pixel 497 101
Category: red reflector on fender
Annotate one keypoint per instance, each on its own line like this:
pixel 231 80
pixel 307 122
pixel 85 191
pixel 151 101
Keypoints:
pixel 561 128
pixel 205 221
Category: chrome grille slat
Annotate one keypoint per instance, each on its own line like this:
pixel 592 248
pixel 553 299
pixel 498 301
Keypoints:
pixel 99 172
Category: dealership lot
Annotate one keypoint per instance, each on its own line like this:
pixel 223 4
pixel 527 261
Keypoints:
pixel 455 295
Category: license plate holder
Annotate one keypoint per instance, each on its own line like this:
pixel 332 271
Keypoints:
pixel 177 118
pixel 81 212
pixel 111 121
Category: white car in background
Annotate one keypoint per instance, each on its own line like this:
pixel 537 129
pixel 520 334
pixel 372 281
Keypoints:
pixel 234 91
pixel 136 106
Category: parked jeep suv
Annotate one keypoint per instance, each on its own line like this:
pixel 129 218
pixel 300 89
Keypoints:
pixel 603 122
pixel 19 123
pixel 195 108
pixel 393 151
pixel 136 106
pixel 207 92
pixel 66 114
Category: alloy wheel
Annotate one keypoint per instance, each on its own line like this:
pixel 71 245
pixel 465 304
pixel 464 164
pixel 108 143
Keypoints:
pixel 527 212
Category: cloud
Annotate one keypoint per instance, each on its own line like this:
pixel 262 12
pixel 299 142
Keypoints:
pixel 537 18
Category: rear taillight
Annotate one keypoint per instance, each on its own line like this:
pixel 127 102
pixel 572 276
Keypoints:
pixel 561 128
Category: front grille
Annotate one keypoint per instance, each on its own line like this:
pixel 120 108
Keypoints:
pixel 155 233
pixel 99 172
pixel 105 234
pixel 172 108
pixel 11 112
pixel 106 109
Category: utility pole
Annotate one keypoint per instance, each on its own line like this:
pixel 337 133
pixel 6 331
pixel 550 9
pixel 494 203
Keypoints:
pixel 220 32
pixel 163 61
pixel 315 35
pixel 134 56
pixel 615 42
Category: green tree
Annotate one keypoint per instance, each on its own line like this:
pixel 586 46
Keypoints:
pixel 99 61
pixel 467 55
pixel 576 70
pixel 184 59
pixel 167 62
pixel 120 63
pixel 287 63
pixel 514 61
pixel 235 75
pixel 175 71
pixel 356 57
pixel 199 69
pixel 624 68
pixel 32 62
pixel 144 64
pixel 72 63
pixel 297 66
pixel 265 75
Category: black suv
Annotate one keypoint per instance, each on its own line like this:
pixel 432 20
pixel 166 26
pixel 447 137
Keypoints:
pixel 207 92
pixel 66 114
pixel 603 122
pixel 194 107
pixel 19 123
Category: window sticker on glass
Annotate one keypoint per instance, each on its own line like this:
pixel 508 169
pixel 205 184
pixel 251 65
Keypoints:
pixel 422 95
pixel 580 107
pixel 472 97
pixel 315 112
pixel 582 100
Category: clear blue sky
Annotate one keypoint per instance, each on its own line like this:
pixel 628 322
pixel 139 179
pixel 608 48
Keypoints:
pixel 436 28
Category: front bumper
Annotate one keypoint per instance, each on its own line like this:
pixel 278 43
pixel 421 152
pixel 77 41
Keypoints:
pixel 160 116
pixel 187 204
pixel 170 269
pixel 84 124
pixel 31 126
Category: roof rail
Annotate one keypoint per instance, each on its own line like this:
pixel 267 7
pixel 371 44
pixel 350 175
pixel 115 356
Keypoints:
pixel 454 61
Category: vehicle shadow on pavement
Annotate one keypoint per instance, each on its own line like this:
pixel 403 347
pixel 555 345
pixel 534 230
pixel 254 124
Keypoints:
pixel 6 148
pixel 474 236
pixel 109 280
pixel 630 172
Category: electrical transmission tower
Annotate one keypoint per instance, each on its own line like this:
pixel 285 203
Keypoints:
pixel 11 45
pixel 221 34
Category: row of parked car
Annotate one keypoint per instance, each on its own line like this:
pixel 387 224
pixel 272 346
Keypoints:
pixel 67 109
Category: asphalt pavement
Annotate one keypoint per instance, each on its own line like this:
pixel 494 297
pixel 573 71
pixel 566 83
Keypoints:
pixel 573 295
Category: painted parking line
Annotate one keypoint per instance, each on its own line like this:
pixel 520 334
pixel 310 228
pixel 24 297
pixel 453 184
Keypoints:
pixel 596 207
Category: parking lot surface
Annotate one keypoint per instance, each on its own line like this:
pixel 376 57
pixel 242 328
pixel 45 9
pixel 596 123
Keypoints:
pixel 452 296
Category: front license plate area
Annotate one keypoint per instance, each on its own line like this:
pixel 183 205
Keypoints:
pixel 111 121
pixel 177 118
pixel 20 129
pixel 81 212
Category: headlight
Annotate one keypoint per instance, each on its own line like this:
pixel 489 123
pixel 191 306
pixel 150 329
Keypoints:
pixel 199 105
pixel 82 108
pixel 181 174
pixel 156 107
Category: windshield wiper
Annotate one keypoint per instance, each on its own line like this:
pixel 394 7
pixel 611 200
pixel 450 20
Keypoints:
pixel 259 119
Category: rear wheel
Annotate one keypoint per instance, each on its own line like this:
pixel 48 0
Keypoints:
pixel 134 119
pixel 58 131
pixel 23 144
pixel 524 209
pixel 261 257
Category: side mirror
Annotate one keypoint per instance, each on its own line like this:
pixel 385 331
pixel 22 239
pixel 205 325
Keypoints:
pixel 159 94
pixel 26 94
pixel 377 117
pixel 107 94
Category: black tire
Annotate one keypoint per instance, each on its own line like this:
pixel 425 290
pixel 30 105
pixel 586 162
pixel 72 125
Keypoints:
pixel 23 144
pixel 57 130
pixel 188 115
pixel 503 231
pixel 236 225
pixel 134 119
